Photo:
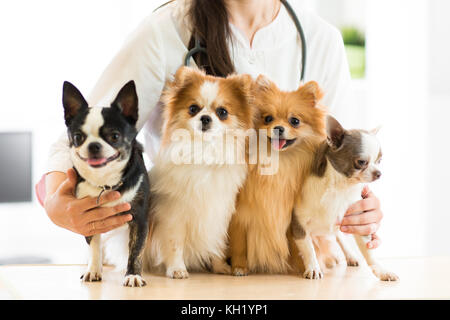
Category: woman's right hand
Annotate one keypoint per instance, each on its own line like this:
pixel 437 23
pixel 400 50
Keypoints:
pixel 83 216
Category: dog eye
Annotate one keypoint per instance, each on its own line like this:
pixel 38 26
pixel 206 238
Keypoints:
pixel 194 109
pixel 78 139
pixel 360 164
pixel 222 113
pixel 268 119
pixel 294 122
pixel 114 137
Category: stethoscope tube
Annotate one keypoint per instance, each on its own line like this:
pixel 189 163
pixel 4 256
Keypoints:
pixel 302 36
pixel 199 49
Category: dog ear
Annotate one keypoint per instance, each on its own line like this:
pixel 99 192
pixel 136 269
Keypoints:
pixel 375 131
pixel 127 102
pixel 73 101
pixel 335 133
pixel 186 75
pixel 241 83
pixel 310 92
pixel 262 83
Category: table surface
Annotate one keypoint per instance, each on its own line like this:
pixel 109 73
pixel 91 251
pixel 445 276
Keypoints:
pixel 420 278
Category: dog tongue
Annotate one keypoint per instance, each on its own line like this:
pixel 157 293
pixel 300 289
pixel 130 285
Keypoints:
pixel 278 144
pixel 96 162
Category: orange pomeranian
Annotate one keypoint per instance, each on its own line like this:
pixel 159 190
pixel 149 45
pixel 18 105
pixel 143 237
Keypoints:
pixel 294 124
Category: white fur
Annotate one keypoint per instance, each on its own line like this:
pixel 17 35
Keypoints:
pixel 208 93
pixel 325 201
pixel 192 207
pixel 94 121
pixel 371 147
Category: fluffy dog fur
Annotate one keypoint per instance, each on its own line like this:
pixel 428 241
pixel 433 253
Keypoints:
pixel 259 230
pixel 193 197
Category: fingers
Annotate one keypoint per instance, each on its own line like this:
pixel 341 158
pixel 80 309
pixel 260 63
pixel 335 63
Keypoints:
pixel 69 184
pixel 374 243
pixel 88 203
pixel 362 230
pixel 100 220
pixel 98 227
pixel 104 212
pixel 368 217
pixel 365 192
pixel 370 203
pixel 72 175
pixel 364 216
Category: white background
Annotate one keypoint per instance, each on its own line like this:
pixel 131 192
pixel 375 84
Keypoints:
pixel 406 90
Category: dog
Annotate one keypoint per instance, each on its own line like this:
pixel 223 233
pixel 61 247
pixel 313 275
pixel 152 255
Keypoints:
pixel 292 123
pixel 106 156
pixel 196 175
pixel 343 164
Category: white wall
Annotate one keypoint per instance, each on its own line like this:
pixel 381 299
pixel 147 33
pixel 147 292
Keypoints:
pixel 438 42
pixel 407 91
pixel 343 12
pixel 438 211
pixel 397 98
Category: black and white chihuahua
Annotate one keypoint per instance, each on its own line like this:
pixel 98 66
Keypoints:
pixel 106 156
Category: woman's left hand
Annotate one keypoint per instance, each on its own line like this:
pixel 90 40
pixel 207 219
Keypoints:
pixel 363 218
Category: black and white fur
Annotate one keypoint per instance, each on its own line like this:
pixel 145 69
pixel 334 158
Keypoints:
pixel 343 165
pixel 106 156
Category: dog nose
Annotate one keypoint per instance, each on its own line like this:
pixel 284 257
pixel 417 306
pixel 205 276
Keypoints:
pixel 376 175
pixel 206 122
pixel 280 130
pixel 94 147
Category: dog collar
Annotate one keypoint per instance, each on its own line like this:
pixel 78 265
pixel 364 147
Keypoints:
pixel 108 188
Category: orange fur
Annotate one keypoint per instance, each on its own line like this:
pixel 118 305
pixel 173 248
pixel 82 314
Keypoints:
pixel 259 231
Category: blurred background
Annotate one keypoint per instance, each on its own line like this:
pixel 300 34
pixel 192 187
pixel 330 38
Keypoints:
pixel 398 53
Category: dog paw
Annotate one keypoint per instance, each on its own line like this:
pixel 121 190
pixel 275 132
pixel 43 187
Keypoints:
pixel 240 272
pixel 383 274
pixel 91 276
pixel 352 262
pixel 134 280
pixel 313 274
pixel 331 262
pixel 177 273
pixel 222 268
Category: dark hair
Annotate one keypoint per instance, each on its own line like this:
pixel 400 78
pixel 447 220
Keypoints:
pixel 209 20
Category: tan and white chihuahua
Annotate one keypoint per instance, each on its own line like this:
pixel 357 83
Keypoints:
pixel 343 164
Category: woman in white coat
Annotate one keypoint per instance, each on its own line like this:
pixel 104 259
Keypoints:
pixel 242 36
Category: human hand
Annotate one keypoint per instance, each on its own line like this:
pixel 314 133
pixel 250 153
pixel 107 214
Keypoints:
pixel 364 217
pixel 84 216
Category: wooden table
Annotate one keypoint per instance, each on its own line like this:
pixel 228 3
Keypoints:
pixel 420 278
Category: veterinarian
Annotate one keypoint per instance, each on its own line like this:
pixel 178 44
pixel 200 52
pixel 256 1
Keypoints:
pixel 243 36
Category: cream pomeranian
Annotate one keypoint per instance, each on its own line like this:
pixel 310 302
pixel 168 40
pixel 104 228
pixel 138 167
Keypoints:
pixel 198 171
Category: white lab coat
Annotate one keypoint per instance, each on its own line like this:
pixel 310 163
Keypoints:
pixel 157 48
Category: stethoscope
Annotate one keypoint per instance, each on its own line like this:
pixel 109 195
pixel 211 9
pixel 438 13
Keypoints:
pixel 199 49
